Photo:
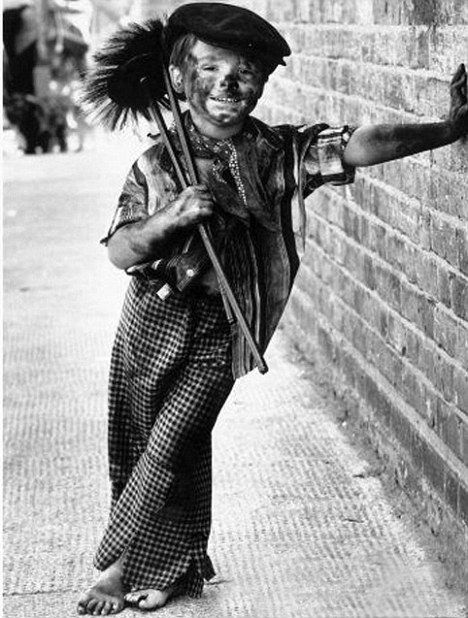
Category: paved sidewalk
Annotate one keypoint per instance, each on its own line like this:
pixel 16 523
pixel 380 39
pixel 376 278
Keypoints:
pixel 301 529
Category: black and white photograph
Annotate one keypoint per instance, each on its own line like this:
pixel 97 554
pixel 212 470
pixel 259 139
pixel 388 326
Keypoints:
pixel 235 308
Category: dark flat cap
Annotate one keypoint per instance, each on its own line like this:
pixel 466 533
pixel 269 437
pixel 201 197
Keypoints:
pixel 228 26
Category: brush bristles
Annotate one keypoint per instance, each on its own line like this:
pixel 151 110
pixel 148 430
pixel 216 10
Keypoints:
pixel 112 90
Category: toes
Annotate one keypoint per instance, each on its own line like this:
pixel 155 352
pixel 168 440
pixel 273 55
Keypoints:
pixel 116 607
pixel 134 597
pixel 91 605
pixel 82 606
pixel 154 599
pixel 148 599
pixel 98 608
pixel 106 608
pixel 137 596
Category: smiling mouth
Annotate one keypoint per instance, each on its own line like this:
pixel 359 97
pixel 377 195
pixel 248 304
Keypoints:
pixel 227 99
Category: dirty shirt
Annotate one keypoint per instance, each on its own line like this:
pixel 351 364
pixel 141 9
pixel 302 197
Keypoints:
pixel 259 180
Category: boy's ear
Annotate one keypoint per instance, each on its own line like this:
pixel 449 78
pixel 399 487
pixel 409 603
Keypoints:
pixel 177 79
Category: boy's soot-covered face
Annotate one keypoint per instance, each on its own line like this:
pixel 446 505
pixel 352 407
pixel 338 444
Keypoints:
pixel 221 86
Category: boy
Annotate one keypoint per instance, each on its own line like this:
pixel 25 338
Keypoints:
pixel 175 360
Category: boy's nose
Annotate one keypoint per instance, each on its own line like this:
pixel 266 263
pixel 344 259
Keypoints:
pixel 230 77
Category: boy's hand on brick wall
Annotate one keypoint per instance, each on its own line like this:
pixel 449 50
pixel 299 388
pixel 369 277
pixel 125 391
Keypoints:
pixel 458 113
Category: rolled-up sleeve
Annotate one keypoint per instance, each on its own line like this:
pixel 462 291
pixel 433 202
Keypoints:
pixel 331 144
pixel 132 205
pixel 321 160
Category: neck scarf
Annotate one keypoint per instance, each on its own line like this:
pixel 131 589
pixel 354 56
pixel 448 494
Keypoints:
pixel 234 178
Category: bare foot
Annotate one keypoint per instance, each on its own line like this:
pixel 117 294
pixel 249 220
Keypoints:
pixel 106 596
pixel 153 599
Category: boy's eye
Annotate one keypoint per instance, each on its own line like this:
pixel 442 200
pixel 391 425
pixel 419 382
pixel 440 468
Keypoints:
pixel 247 71
pixel 209 67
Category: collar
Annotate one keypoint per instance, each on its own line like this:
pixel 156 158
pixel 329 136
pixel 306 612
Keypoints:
pixel 253 130
pixel 256 129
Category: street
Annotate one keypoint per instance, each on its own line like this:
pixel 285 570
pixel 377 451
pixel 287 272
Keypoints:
pixel 301 526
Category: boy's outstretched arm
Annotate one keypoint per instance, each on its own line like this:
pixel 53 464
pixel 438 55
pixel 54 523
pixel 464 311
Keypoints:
pixel 373 144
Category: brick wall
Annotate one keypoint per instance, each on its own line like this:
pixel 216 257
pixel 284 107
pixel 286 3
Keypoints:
pixel 382 292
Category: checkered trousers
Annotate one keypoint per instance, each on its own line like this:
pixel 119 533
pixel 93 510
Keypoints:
pixel 170 376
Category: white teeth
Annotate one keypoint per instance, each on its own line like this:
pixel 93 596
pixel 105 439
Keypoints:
pixel 226 99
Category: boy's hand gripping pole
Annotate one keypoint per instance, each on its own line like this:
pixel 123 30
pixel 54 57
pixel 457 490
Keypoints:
pixel 230 302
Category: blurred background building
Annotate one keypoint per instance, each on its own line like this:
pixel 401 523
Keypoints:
pixel 47 47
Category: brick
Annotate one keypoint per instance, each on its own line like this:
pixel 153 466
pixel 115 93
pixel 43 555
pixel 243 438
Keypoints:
pixel 351 223
pixel 325 342
pixel 465 442
pixel 323 301
pixel 371 309
pixel 426 313
pixel 359 300
pixel 416 449
pixel 431 401
pixel 413 347
pixel 426 272
pixel 443 376
pixel 389 364
pixel 442 236
pixel 449 427
pixel 433 467
pixel 418 308
pixel 365 232
pixel 327 271
pixel 443 279
pixel 418 47
pixel 452 483
pixel 451 158
pixel 383 318
pixel 396 252
pixel 349 369
pixel 443 191
pixel 337 315
pixel 410 304
pixel 361 338
pixel 402 430
pixel 361 384
pixel 424 235
pixel 344 286
pixel 461 239
pixel 445 44
pixel 413 391
pixel 353 260
pixel 348 326
pixel 459 296
pixel 397 334
pixel 366 194
pixel 427 361
pixel 461 390
pixel 448 194
pixel 462 345
pixel 377 401
pixel 388 286
pixel 463 503
pixel 369 272
pixel 377 239
pixel 445 331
